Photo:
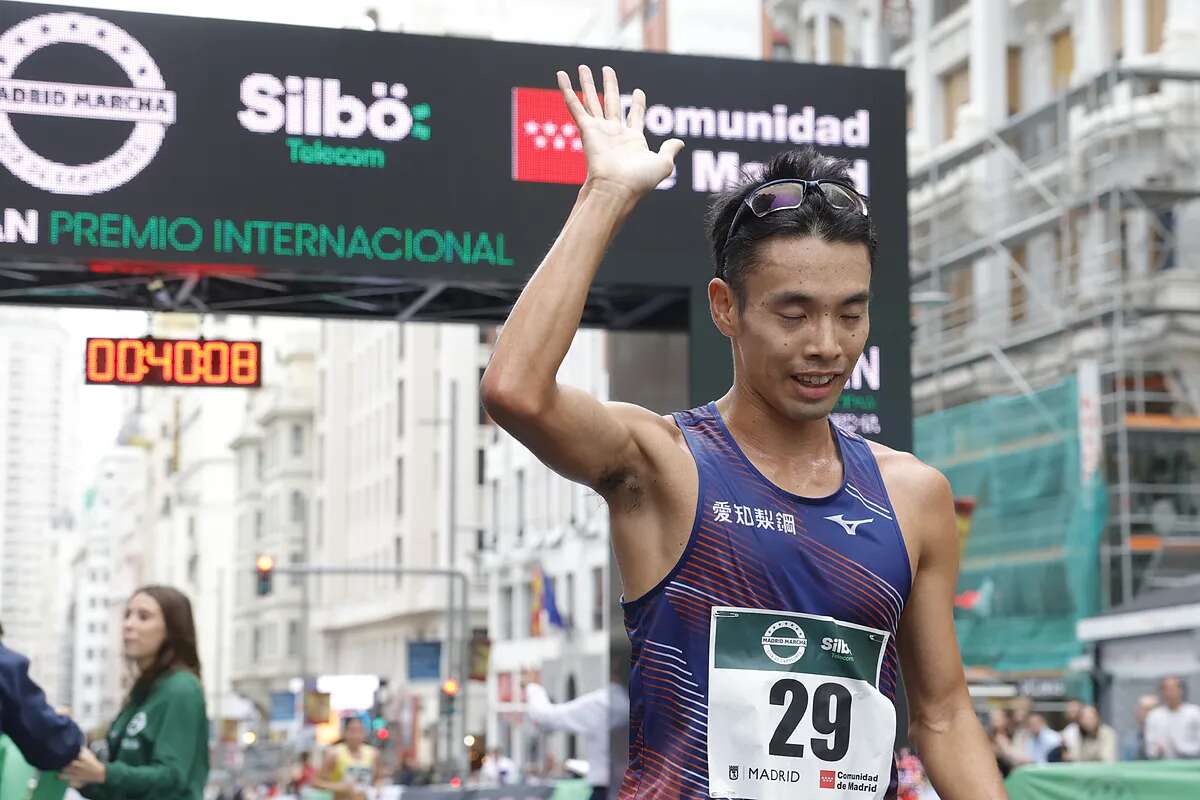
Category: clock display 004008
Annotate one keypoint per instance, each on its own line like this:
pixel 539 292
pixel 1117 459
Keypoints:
pixel 173 362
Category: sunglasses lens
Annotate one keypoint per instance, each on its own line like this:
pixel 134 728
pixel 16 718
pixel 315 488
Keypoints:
pixel 839 198
pixel 774 198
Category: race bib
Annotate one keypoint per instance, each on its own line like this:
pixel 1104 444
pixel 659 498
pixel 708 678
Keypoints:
pixel 794 708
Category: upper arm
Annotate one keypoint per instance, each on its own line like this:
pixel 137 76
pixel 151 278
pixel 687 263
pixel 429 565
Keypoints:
pixel 45 738
pixel 929 655
pixel 599 444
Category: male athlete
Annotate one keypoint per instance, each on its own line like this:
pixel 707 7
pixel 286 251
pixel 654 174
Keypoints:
pixel 777 571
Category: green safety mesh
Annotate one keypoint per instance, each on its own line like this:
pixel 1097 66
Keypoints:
pixel 1030 566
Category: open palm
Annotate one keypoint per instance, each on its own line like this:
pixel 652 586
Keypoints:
pixel 615 145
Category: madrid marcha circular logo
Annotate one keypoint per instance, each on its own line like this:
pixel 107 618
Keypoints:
pixel 146 103
pixel 788 648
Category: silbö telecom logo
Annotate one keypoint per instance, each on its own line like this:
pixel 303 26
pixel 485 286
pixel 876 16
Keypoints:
pixel 316 107
pixel 147 103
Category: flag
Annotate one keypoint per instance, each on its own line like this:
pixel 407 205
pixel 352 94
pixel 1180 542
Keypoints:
pixel 964 508
pixel 978 600
pixel 551 604
pixel 538 595
pixel 546 145
pixel 543 601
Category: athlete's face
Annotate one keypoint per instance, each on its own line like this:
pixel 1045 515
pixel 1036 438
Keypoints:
pixel 355 733
pixel 802 324
pixel 144 629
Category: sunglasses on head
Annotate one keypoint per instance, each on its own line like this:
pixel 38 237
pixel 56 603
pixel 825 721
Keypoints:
pixel 789 193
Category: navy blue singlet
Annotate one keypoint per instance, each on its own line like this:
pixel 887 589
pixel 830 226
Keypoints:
pixel 753 545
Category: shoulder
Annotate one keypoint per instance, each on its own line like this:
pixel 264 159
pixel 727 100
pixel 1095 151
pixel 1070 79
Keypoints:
pixel 182 684
pixel 911 481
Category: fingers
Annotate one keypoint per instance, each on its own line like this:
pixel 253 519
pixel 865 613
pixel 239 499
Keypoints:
pixel 637 110
pixel 612 94
pixel 670 148
pixel 572 100
pixel 590 100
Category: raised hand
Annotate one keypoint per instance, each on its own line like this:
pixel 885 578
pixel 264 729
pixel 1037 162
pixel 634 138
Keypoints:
pixel 615 146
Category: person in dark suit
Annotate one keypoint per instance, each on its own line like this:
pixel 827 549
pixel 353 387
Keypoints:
pixel 47 739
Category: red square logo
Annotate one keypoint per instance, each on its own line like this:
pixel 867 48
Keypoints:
pixel 546 145
pixel 828 779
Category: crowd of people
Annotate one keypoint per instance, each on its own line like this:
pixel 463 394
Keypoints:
pixel 1167 727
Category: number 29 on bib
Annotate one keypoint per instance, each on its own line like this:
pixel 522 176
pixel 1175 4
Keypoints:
pixel 794 708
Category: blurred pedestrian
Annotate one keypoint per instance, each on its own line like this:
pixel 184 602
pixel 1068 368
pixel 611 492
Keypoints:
pixel 302 773
pixel 158 744
pixel 1096 741
pixel 1173 729
pixel 48 740
pixel 1001 735
pixel 592 716
pixel 351 766
pixel 1042 745
pixel 1070 729
pixel 498 769
pixel 1133 743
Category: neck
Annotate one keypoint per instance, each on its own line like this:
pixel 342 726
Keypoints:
pixel 756 424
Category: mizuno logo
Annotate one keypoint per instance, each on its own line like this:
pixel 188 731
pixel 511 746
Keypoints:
pixel 851 525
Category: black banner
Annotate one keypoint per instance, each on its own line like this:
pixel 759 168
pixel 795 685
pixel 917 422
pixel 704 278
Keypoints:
pixel 277 148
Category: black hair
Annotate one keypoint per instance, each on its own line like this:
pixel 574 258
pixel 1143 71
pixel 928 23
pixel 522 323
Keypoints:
pixel 734 256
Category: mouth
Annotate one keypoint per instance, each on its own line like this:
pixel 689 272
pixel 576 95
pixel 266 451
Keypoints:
pixel 815 385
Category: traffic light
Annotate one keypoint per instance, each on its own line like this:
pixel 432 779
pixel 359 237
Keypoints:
pixel 264 565
pixel 450 688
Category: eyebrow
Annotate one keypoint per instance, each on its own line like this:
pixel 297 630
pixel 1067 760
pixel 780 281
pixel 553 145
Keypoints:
pixel 789 298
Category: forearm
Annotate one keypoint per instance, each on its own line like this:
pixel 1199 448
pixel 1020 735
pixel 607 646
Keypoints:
pixel 958 757
pixel 539 330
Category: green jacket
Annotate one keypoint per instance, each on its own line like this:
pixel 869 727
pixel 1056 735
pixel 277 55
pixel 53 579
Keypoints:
pixel 158 749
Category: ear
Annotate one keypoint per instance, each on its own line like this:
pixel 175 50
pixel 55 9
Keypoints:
pixel 723 305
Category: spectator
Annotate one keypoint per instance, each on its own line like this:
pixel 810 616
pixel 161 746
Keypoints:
pixel 1000 732
pixel 498 770
pixel 1070 730
pixel 1133 743
pixel 46 739
pixel 1043 745
pixel 592 716
pixel 1173 729
pixel 1097 741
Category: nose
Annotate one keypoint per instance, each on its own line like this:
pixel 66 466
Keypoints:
pixel 822 343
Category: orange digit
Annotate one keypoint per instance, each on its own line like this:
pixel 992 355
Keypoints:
pixel 187 362
pixel 216 358
pixel 244 362
pixel 131 350
pixel 101 360
pixel 162 360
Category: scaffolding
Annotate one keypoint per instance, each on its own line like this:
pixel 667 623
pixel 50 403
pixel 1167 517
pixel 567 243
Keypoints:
pixel 1055 239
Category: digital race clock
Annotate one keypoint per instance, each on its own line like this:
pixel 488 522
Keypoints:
pixel 173 362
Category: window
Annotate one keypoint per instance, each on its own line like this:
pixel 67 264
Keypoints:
pixel 961 308
pixel 837 41
pixel 520 505
pixel 399 486
pixel 297 439
pixel 1016 285
pixel 298 510
pixel 293 638
pixel 1162 238
pixel 480 467
pixel 296 559
pixel 258 524
pixel 257 647
pixel 527 609
pixel 956 93
pixel 400 342
pixel 400 408
pixel 398 556
pixel 908 112
pixel 320 523
pixel 87 680
pixel 598 598
pixel 506 613
pixel 944 8
pixel 569 599
pixel 496 510
pixel 484 419
pixel 1116 29
pixel 1062 48
pixel 1014 80
pixel 1156 23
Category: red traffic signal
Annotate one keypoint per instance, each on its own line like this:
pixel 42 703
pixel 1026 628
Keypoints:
pixel 450 687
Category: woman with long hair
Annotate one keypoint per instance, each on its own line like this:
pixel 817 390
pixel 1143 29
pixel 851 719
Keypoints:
pixel 158 744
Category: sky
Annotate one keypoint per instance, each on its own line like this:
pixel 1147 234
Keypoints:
pixel 323 13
